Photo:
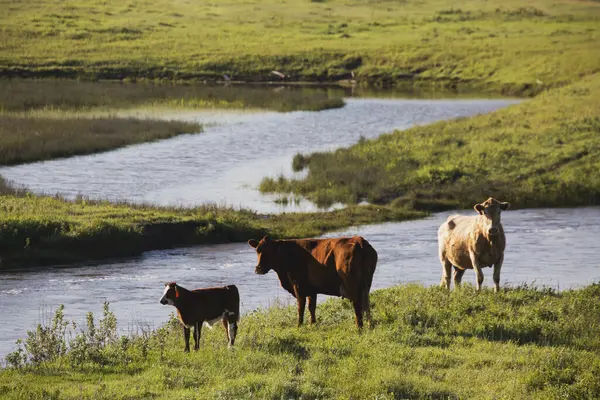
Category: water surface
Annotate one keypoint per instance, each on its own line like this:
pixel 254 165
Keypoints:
pixel 552 247
pixel 225 163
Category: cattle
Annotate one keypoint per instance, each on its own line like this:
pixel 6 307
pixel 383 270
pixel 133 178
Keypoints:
pixel 473 242
pixel 342 267
pixel 195 307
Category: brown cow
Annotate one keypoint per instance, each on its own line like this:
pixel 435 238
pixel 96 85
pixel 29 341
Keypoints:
pixel 337 267
pixel 473 242
pixel 195 307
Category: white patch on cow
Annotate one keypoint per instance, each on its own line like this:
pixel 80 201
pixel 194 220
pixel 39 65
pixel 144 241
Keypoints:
pixel 164 297
pixel 211 322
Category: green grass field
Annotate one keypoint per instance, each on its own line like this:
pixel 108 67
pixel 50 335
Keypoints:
pixel 504 46
pixel 542 152
pixel 426 344
pixel 45 230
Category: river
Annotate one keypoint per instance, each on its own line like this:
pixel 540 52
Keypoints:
pixel 224 164
pixel 551 247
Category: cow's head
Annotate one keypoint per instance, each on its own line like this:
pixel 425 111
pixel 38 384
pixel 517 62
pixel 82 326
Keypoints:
pixel 490 210
pixel 267 253
pixel 170 294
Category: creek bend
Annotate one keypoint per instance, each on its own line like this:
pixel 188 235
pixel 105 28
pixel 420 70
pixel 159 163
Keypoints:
pixel 224 164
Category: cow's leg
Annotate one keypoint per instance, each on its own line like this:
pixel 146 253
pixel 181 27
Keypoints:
pixel 477 269
pixel 226 326
pixel 354 293
pixel 312 307
pixel 186 337
pixel 358 311
pixel 230 324
pixel 446 272
pixel 366 307
pixel 232 332
pixel 301 306
pixel 458 274
pixel 197 331
pixel 497 267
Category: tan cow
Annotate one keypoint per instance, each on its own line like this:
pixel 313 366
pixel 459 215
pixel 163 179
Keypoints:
pixel 473 242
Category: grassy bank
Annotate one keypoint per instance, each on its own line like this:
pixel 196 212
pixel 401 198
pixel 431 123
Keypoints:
pixel 501 46
pixel 44 230
pixel 520 343
pixel 543 152
pixel 19 95
pixel 25 140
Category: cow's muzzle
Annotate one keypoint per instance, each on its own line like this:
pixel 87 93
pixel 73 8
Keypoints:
pixel 260 271
pixel 163 301
pixel 493 231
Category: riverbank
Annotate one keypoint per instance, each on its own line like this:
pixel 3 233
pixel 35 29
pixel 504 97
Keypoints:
pixel 48 119
pixel 501 47
pixel 523 342
pixel 47 96
pixel 544 152
pixel 39 231
pixel 24 140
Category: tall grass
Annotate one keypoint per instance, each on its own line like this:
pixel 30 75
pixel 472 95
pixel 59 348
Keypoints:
pixel 427 343
pixel 503 46
pixel 543 152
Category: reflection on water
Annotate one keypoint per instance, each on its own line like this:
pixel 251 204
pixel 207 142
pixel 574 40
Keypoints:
pixel 225 164
pixel 553 247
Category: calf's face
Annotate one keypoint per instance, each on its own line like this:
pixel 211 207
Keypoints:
pixel 491 210
pixel 266 250
pixel 170 294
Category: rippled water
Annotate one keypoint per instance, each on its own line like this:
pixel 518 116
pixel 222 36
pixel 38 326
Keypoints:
pixel 226 163
pixel 552 247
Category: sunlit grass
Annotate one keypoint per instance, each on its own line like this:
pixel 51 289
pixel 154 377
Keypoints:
pixel 521 343
pixel 503 46
pixel 38 230
pixel 542 152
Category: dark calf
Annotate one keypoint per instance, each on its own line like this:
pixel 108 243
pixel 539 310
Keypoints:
pixel 195 307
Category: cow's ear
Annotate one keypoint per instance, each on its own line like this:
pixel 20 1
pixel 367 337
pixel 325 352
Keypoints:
pixel 266 238
pixel 504 206
pixel 253 243
pixel 479 208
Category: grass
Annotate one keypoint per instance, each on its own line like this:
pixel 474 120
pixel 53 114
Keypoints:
pixel 25 140
pixel 500 46
pixel 542 152
pixel 38 231
pixel 26 96
pixel 427 343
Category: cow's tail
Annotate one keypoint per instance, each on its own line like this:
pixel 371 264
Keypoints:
pixel 369 264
